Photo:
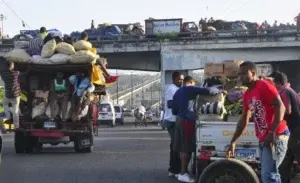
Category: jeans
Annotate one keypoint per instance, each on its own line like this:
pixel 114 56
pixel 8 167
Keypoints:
pixel 175 162
pixel 270 161
pixel 15 102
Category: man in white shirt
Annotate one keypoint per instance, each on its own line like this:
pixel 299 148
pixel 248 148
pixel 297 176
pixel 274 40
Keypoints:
pixel 170 121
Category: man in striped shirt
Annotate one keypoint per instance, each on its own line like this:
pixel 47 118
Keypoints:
pixel 10 78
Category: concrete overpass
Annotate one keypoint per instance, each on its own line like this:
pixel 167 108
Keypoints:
pixel 128 96
pixel 193 52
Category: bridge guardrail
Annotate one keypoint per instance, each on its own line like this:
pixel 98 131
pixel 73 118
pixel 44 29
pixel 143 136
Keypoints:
pixel 205 35
pixel 130 89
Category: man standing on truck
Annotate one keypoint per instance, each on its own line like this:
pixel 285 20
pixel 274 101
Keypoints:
pixel 263 101
pixel 183 108
pixel 292 116
pixel 170 121
pixel 12 88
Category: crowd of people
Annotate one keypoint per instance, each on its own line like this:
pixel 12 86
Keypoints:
pixel 273 104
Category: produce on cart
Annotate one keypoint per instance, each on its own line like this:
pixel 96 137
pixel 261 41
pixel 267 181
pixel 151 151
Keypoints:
pixel 214 136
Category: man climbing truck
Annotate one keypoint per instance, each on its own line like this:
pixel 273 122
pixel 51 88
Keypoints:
pixel 37 125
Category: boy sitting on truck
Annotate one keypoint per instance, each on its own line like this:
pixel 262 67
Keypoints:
pixel 59 96
pixel 82 88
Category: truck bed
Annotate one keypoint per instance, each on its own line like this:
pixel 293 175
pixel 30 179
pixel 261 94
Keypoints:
pixel 216 137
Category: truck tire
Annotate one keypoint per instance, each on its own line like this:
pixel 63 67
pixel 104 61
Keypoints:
pixel 79 149
pixel 20 142
pixel 230 170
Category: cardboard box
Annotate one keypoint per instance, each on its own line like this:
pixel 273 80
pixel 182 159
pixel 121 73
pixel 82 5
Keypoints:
pixel 213 69
pixel 231 68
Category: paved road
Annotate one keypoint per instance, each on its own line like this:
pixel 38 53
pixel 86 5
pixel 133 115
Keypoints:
pixel 122 155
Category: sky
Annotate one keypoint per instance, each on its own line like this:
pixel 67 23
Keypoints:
pixel 71 15
pixel 76 15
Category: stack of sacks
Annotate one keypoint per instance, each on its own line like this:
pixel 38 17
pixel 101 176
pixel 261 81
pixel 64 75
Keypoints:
pixel 211 108
pixel 53 53
pixel 85 53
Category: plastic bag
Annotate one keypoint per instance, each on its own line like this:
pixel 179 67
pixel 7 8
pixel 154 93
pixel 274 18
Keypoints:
pixel 83 56
pixel 82 45
pixel 97 76
pixel 65 48
pixel 37 59
pixel 60 58
pixel 18 55
pixel 49 49
pixel 39 110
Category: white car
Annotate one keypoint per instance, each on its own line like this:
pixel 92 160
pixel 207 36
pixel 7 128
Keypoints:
pixel 119 114
pixel 107 113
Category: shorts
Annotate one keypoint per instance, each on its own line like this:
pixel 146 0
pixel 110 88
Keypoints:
pixel 185 136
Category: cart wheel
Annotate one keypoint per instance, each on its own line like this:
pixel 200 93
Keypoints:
pixel 231 170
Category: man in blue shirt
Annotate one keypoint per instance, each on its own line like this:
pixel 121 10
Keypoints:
pixel 183 108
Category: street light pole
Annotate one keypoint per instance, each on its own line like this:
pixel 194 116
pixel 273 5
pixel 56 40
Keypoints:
pixel 117 88
pixel 131 85
pixel 2 18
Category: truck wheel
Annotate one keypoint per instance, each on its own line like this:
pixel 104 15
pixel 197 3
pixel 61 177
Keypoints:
pixel 79 149
pixel 20 142
pixel 231 170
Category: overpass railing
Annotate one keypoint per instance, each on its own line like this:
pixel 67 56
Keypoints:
pixel 204 35
pixel 128 90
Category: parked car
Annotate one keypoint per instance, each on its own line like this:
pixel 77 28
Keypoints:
pixel 107 113
pixel 128 113
pixel 149 115
pixel 119 114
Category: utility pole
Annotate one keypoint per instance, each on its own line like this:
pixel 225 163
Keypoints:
pixel 2 18
pixel 142 90
pixel 131 85
pixel 117 88
pixel 151 101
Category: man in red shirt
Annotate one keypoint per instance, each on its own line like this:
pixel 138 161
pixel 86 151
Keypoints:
pixel 263 102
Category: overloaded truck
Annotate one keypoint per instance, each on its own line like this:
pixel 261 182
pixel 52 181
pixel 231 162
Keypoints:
pixel 155 27
pixel 38 130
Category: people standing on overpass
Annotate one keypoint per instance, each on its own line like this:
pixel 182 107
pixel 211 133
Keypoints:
pixel 185 133
pixel 12 89
pixel 263 101
pixel 170 121
pixel 297 19
pixel 291 101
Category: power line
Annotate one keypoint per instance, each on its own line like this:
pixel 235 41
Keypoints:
pixel 15 13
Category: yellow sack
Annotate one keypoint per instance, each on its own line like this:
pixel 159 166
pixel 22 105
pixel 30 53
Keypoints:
pixel 18 55
pixel 94 50
pixel 97 76
pixel 83 56
pixel 65 48
pixel 82 45
pixel 49 49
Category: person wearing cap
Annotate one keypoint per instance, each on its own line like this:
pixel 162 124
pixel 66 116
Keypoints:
pixel 59 97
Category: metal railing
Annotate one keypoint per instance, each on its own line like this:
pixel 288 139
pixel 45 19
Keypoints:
pixel 128 90
pixel 205 35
